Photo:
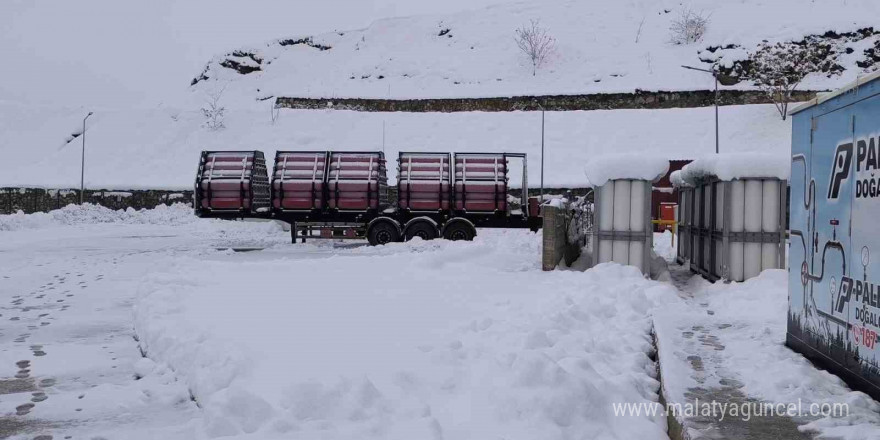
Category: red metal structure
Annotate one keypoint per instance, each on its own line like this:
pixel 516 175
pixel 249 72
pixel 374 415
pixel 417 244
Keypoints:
pixel 345 194
pixel 233 181
pixel 664 194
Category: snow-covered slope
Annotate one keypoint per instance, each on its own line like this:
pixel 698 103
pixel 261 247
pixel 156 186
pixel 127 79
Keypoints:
pixel 602 46
pixel 160 148
pixel 121 53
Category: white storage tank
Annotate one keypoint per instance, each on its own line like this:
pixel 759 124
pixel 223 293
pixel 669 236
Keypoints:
pixel 733 213
pixel 622 230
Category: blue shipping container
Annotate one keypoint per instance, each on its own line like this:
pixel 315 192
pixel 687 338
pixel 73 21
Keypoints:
pixel 834 250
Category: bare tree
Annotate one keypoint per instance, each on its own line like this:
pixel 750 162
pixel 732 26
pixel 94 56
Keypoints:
pixel 213 111
pixel 536 43
pixel 688 27
pixel 779 68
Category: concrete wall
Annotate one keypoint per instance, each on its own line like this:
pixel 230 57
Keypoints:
pixel 30 200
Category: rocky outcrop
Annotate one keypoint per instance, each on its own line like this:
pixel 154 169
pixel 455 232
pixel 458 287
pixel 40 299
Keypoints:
pixel 825 54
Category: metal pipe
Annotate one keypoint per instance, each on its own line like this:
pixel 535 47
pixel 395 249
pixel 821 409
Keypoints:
pixel 714 74
pixel 807 276
pixel 82 171
pixel 542 154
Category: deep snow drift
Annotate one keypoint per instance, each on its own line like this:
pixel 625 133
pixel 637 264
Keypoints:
pixel 411 340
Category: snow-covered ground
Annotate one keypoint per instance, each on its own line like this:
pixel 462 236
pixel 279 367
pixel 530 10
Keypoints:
pixel 329 340
pixel 412 340
pixel 160 148
pixel 726 342
pixel 415 340
pixel 69 363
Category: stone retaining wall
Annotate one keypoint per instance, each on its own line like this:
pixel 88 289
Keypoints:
pixel 599 101
pixel 30 200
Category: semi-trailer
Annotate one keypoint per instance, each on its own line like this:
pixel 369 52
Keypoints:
pixel 345 194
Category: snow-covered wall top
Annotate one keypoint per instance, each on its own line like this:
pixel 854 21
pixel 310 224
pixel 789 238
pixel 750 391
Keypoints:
pixel 639 166
pixel 729 166
pixel 601 46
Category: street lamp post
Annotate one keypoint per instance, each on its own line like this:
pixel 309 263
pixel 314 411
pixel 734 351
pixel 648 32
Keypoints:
pixel 82 172
pixel 542 151
pixel 714 75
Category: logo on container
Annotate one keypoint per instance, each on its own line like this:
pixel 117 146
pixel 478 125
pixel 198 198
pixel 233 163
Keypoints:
pixel 840 169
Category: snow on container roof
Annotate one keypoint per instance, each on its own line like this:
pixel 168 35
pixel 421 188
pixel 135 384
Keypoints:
pixel 732 166
pixel 677 180
pixel 601 169
pixel 822 97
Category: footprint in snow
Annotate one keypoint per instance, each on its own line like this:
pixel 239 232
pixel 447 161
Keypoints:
pixel 23 409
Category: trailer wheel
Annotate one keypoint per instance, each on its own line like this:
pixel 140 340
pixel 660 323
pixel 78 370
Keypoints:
pixel 459 231
pixel 381 233
pixel 421 229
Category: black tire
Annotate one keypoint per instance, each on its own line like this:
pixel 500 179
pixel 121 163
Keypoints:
pixel 459 231
pixel 381 233
pixel 421 229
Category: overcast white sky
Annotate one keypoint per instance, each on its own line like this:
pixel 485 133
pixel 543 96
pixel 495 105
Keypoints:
pixel 117 53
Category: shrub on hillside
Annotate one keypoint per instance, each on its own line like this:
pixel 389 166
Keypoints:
pixel 536 43
pixel 689 27
pixel 779 68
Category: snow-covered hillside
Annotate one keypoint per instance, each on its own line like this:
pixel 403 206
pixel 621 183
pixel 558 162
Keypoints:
pixel 159 149
pixel 106 53
pixel 602 46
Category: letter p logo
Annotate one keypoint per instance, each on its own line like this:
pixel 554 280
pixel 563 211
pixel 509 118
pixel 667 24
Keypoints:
pixel 840 169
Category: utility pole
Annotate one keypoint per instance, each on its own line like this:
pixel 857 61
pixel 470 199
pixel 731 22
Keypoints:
pixel 82 171
pixel 542 152
pixel 714 74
